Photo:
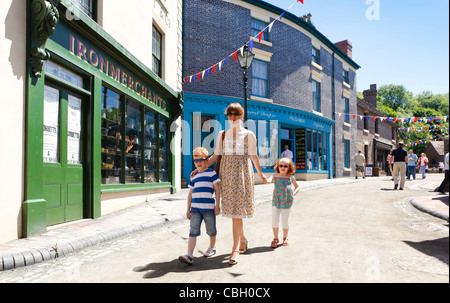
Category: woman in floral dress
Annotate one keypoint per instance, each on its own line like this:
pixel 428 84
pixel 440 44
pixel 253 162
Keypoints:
pixel 238 150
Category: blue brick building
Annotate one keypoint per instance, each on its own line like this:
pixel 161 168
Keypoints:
pixel 298 83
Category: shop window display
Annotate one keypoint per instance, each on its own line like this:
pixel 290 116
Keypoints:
pixel 111 138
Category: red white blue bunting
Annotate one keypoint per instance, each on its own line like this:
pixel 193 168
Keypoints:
pixel 219 65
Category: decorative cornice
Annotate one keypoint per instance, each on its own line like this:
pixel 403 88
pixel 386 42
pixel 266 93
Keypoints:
pixel 44 17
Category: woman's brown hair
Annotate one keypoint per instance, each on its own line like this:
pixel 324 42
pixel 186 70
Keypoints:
pixel 234 108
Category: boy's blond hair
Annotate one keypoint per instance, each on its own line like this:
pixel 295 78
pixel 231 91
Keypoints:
pixel 200 151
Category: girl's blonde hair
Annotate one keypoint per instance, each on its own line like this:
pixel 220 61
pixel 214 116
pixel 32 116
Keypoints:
pixel 291 170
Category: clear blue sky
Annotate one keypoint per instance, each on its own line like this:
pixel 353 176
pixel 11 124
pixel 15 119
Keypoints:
pixel 408 45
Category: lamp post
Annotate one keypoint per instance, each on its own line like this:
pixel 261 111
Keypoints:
pixel 245 59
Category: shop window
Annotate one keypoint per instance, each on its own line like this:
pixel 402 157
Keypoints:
pixel 314 155
pixel 309 144
pixel 257 27
pixel 111 138
pixel 131 150
pixel 156 52
pixel 300 149
pixel 325 150
pixel 260 75
pixel 149 146
pixel 320 151
pixel 263 144
pixel 316 95
pixel 132 143
pixel 163 151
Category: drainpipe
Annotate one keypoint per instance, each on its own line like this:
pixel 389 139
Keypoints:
pixel 334 116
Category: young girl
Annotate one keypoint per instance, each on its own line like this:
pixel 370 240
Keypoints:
pixel 283 197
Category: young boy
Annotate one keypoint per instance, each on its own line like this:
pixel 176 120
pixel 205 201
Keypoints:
pixel 201 204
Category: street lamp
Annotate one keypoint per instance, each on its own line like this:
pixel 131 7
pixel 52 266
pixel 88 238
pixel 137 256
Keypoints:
pixel 245 59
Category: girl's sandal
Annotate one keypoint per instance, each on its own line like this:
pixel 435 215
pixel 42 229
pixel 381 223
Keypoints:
pixel 236 260
pixel 285 242
pixel 274 243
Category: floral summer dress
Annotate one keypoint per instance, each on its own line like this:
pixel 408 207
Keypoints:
pixel 237 181
pixel 283 193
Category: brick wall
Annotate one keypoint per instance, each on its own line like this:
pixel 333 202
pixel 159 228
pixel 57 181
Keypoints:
pixel 214 29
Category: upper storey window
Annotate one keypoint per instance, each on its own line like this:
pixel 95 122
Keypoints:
pixel 257 27
pixel 315 55
pixel 156 52
pixel 86 6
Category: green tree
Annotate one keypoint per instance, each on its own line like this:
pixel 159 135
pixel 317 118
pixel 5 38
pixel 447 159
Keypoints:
pixel 394 97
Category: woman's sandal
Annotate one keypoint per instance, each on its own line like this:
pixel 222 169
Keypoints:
pixel 234 261
pixel 274 243
pixel 285 242
pixel 244 250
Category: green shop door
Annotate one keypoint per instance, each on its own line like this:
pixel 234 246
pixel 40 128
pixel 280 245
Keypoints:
pixel 63 172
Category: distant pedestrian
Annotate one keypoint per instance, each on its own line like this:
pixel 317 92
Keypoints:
pixel 201 205
pixel 444 183
pixel 360 162
pixel 423 164
pixel 287 153
pixel 390 159
pixel 389 164
pixel 441 167
pixel 283 197
pixel 412 162
pixel 400 159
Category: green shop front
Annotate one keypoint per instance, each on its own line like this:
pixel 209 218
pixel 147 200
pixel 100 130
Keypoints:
pixel 97 121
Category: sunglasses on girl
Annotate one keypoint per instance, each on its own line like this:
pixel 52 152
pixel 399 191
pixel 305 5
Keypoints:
pixel 199 160
pixel 233 114
pixel 283 166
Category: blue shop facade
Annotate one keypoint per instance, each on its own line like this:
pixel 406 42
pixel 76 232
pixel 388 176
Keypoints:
pixel 306 134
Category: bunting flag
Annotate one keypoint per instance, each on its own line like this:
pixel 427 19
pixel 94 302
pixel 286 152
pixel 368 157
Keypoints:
pixel 204 73
pixel 398 120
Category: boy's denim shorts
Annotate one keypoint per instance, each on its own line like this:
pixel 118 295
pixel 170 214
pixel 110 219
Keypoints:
pixel 197 216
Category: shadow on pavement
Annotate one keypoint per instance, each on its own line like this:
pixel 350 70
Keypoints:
pixel 437 248
pixel 159 269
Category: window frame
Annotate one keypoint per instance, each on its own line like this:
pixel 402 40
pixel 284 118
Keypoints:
pixel 315 55
pixel 255 31
pixel 261 79
pixel 317 96
pixel 124 100
pixel 154 56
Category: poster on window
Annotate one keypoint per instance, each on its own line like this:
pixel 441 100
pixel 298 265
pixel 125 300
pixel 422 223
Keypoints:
pixel 73 130
pixel 51 127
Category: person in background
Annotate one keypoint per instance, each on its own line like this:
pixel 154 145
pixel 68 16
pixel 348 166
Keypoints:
pixel 412 162
pixel 287 153
pixel 423 164
pixel 400 159
pixel 360 162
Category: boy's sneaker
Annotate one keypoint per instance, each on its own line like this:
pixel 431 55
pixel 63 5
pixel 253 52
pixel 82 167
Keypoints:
pixel 211 251
pixel 186 259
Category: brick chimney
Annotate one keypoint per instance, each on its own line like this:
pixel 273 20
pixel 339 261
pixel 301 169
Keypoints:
pixel 346 47
pixel 370 95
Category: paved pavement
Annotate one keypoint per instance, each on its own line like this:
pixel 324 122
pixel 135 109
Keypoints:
pixel 65 239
